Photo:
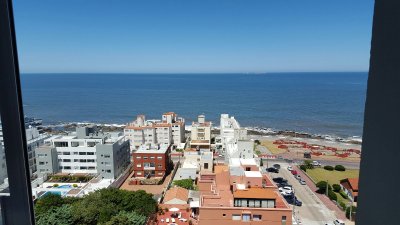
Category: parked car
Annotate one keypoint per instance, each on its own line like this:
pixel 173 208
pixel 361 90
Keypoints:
pixel 293 200
pixel 316 163
pixel 277 166
pixel 290 168
pixel 273 170
pixel 285 189
pixel 284 184
pixel 302 182
pixel 294 172
pixel 298 177
pixel 279 180
pixel 338 222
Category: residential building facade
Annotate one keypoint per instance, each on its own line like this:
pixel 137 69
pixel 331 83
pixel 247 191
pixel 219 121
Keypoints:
pixel 169 130
pixel 200 138
pixel 151 161
pixel 86 151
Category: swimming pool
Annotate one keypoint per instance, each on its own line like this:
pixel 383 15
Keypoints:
pixel 65 186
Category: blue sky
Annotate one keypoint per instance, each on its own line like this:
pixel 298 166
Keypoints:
pixel 171 36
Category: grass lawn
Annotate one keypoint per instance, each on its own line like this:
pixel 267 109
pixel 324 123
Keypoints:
pixel 272 148
pixel 333 177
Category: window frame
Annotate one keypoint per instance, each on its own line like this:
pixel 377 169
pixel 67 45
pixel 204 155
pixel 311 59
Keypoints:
pixel 17 208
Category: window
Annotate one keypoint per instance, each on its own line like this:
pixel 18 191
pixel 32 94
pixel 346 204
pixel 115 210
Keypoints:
pixel 138 157
pixel 90 153
pixel 257 217
pixel 66 153
pixel 66 160
pixel 236 217
pixel 246 217
pixel 107 156
pixel 206 166
pixel 139 165
pixel 224 215
pixel 82 153
pixel 159 157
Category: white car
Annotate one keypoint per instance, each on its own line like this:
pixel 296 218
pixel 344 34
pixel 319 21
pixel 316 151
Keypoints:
pixel 316 163
pixel 338 222
pixel 302 182
pixel 289 168
pixel 286 190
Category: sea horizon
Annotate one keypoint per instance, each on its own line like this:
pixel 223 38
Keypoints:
pixel 328 103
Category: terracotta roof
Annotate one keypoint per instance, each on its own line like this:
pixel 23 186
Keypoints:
pixel 162 125
pixel 353 182
pixel 258 193
pixel 178 193
pixel 133 128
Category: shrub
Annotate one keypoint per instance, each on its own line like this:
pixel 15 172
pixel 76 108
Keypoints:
pixel 190 222
pixel 257 142
pixel 344 195
pixel 332 195
pixel 336 187
pixel 340 168
pixel 322 187
pixel 308 164
pixel 342 205
pixel 330 168
pixel 353 210
pixel 55 185
pixel 303 167
pixel 74 185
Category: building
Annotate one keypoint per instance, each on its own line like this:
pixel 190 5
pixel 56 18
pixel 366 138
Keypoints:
pixel 200 138
pixel 34 139
pixel 3 166
pixel 233 141
pixel 169 130
pixel 88 151
pixel 151 161
pixel 350 187
pixel 245 198
pixel 176 196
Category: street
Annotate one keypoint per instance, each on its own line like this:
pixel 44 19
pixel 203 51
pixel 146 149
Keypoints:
pixel 313 211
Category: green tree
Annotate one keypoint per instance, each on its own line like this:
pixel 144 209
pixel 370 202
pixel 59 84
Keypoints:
pixel 47 202
pixel 57 216
pixel 127 218
pixel 329 168
pixel 257 142
pixel 322 187
pixel 185 183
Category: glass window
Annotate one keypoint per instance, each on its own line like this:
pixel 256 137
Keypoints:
pixel 246 217
pixel 236 217
pixel 257 217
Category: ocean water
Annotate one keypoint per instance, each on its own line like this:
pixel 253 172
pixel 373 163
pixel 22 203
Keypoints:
pixel 319 103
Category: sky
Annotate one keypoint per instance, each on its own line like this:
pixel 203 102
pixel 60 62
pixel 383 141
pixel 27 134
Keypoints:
pixel 187 36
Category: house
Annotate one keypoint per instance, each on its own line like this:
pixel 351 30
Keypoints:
pixel 350 187
pixel 176 196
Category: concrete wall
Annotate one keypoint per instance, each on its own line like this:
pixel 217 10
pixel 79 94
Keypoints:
pixel 112 159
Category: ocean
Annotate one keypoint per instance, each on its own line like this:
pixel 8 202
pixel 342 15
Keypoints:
pixel 317 103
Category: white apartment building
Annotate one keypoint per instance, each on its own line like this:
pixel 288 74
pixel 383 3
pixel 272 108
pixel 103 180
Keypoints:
pixel 169 130
pixel 85 151
pixel 233 140
pixel 34 140
pixel 201 134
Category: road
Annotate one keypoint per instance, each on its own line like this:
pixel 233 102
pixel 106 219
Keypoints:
pixel 313 211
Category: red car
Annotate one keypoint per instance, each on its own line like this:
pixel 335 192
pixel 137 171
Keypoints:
pixel 294 172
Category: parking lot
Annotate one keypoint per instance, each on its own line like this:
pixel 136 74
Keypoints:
pixel 312 211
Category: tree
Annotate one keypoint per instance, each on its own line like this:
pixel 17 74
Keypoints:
pixel 57 216
pixel 261 162
pixel 47 202
pixel 303 167
pixel 322 187
pixel 127 218
pixel 257 142
pixel 185 183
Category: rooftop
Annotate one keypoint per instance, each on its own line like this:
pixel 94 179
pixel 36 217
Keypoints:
pixel 152 149
pixel 252 174
pixel 256 193
pixel 176 193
